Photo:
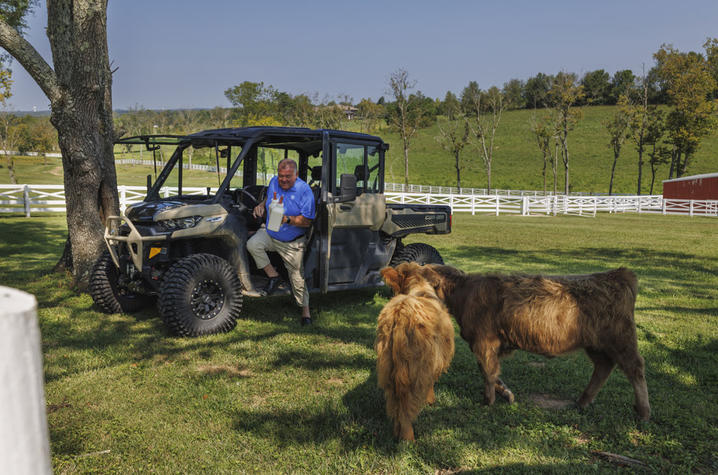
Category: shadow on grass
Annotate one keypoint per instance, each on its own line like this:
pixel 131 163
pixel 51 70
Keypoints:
pixel 659 264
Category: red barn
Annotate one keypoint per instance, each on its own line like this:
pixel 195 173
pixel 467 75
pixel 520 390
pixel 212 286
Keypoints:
pixel 696 187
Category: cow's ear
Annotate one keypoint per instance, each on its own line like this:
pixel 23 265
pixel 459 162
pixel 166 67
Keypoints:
pixel 392 278
pixel 431 276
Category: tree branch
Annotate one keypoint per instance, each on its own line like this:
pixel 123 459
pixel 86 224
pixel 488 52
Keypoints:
pixel 20 49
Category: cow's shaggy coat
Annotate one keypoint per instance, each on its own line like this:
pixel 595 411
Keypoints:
pixel 414 345
pixel 547 315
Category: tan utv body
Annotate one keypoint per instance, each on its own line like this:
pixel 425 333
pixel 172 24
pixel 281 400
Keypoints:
pixel 187 248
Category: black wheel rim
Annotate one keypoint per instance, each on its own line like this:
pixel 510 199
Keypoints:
pixel 207 299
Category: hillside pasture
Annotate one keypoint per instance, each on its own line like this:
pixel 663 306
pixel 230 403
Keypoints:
pixel 517 162
pixel 272 396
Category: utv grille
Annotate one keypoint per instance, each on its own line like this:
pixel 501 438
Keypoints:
pixel 416 221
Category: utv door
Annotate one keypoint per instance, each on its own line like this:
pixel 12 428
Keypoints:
pixel 355 251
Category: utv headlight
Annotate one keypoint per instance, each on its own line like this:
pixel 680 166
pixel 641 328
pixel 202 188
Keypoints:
pixel 180 223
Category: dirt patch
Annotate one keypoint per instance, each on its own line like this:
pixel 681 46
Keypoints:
pixel 224 370
pixel 335 381
pixel 57 171
pixel 546 401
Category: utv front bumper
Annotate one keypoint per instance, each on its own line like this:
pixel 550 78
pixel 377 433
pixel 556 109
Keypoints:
pixel 134 241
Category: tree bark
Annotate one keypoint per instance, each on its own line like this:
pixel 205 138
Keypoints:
pixel 613 171
pixel 80 92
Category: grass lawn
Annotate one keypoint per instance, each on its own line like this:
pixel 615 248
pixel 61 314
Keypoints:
pixel 271 396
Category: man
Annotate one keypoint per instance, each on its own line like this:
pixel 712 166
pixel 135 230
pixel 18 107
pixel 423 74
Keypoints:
pixel 290 240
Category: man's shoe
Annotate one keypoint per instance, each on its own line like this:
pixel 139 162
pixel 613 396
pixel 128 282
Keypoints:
pixel 306 321
pixel 272 285
pixel 252 293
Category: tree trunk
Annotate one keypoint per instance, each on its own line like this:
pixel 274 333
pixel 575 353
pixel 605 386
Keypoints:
pixel 406 163
pixel 613 172
pixel 640 170
pixel 82 115
pixel 11 167
pixel 554 167
pixel 674 156
pixel 79 87
pixel 458 170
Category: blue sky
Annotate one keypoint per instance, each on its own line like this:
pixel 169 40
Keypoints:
pixel 181 53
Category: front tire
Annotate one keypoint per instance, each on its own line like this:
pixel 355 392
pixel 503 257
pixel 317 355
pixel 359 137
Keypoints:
pixel 200 295
pixel 106 292
pixel 420 253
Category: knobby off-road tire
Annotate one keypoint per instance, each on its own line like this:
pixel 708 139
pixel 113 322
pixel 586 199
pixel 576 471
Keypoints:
pixel 106 293
pixel 200 295
pixel 396 257
pixel 420 253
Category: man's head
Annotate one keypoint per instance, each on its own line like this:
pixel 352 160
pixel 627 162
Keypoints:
pixel 286 173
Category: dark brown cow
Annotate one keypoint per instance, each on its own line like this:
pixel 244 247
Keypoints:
pixel 547 315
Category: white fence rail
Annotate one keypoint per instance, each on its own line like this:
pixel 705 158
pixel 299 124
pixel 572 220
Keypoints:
pixel 388 187
pixel 28 199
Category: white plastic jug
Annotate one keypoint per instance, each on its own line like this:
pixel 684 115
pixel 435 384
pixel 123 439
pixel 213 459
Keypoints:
pixel 276 213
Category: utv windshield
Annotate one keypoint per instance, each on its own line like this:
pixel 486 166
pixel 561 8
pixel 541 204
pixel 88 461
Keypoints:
pixel 204 166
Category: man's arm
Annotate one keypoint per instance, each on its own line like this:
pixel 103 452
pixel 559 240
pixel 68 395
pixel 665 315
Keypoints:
pixel 299 221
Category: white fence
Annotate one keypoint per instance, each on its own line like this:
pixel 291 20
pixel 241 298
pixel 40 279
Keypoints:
pixel 388 187
pixel 28 199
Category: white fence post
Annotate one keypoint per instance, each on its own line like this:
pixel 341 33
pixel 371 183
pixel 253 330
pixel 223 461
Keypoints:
pixel 26 200
pixel 24 437
pixel 123 198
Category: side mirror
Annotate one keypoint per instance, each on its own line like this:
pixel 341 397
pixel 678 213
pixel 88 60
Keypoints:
pixel 347 188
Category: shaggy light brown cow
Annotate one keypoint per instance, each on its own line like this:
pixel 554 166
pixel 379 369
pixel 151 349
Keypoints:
pixel 414 346
pixel 547 315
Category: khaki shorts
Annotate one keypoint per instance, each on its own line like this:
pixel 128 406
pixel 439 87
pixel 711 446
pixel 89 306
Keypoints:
pixel 292 254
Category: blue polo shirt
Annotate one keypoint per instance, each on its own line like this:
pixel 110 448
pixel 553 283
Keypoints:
pixel 298 200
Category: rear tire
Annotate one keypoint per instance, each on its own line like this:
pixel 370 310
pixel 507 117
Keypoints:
pixel 200 295
pixel 420 253
pixel 106 292
pixel 396 258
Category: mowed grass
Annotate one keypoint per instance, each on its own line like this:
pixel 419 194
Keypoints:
pixel 516 165
pixel 271 396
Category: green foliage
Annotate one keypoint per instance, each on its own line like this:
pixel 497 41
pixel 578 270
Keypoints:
pixel 471 99
pixel 618 131
pixel 689 84
pixel 622 84
pixel 514 94
pixel 123 396
pixel 596 87
pixel 537 90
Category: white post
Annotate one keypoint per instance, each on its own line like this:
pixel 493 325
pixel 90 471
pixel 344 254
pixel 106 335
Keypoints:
pixel 497 205
pixel 26 200
pixel 123 198
pixel 24 437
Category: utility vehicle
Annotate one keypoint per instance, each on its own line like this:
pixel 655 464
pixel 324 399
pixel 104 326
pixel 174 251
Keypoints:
pixel 186 247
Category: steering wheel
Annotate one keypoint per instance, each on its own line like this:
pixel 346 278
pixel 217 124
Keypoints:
pixel 237 193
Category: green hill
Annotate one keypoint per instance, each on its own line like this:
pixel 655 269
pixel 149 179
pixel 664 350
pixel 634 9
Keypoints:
pixel 517 161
